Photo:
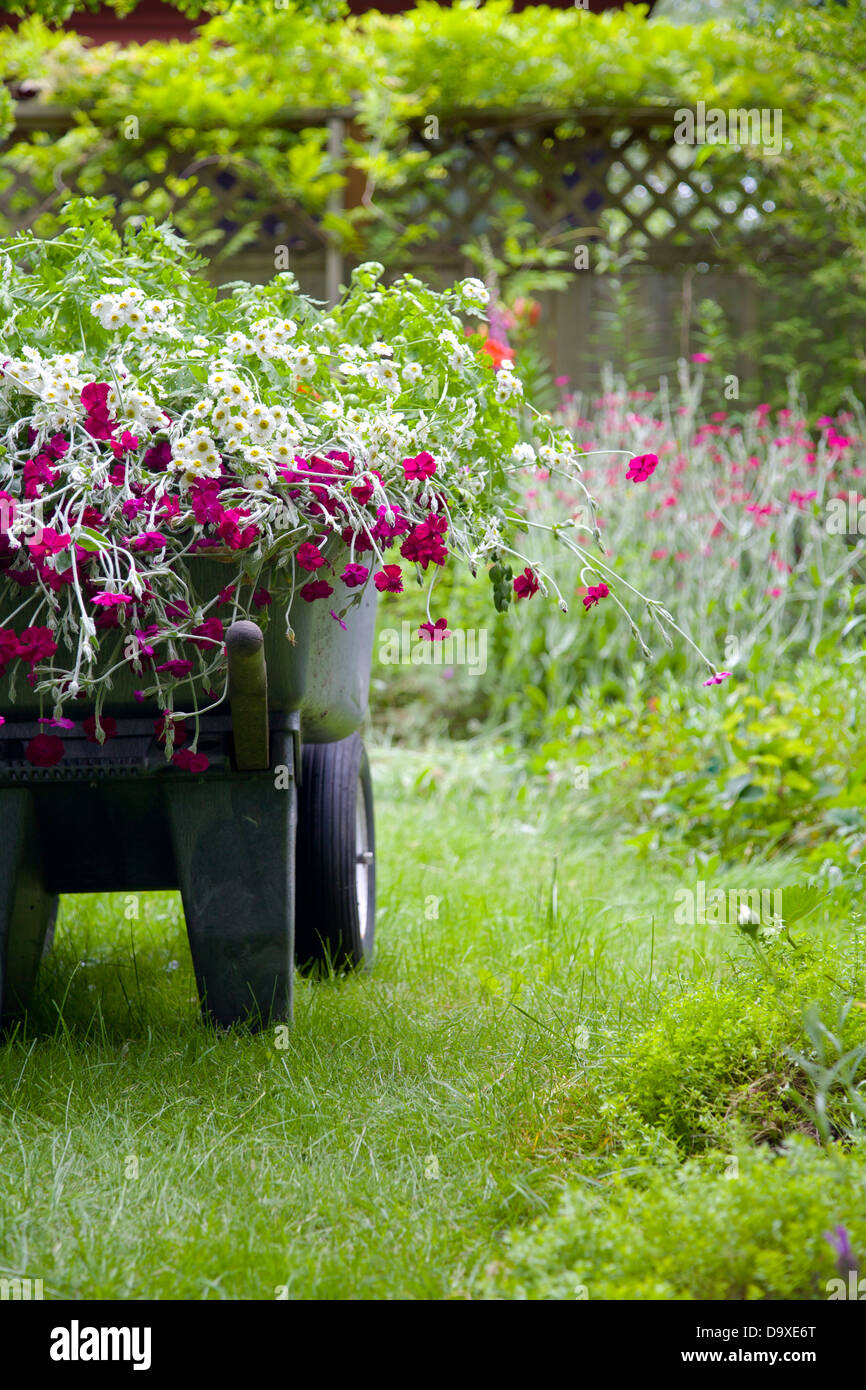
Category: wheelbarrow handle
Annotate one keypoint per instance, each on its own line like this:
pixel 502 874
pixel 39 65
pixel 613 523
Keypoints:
pixel 248 695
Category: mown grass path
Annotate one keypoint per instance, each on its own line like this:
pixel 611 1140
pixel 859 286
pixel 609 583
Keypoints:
pixel 536 1025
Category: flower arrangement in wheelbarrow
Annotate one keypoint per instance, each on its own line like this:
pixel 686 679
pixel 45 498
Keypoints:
pixel 149 421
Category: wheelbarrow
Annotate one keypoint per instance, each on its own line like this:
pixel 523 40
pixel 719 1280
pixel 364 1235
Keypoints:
pixel 272 847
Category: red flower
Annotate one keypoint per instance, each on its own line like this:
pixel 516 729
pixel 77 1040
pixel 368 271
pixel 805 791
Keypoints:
pixel 45 750
pixel 593 594
pixel 262 598
pixel 36 644
pixel 642 467
pixel 112 600
pixel 176 668
pixel 191 762
pixel 207 633
pixel 526 584
pixel 315 588
pixel 362 492
pixel 149 541
pixel 109 728
pixel 309 556
pixel 497 352
pixel 389 580
pixel 8 647
pixel 354 575
pixel 161 726
pixel 420 467
pixel 50 542
pixel 435 632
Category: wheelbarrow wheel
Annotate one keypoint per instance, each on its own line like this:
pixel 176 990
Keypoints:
pixel 336 867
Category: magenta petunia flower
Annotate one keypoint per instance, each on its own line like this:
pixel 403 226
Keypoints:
pixel 112 600
pixel 45 750
pixel 49 542
pixel 526 584
pixel 389 580
pixel 354 575
pixel 36 644
pixel 309 557
pixel 176 668
pixel 149 541
pixel 641 468
pixel 189 761
pixel 419 468
pixel 594 593
pixel 208 633
pixel 315 588
pixel 717 677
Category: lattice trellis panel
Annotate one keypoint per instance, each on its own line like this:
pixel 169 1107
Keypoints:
pixel 614 167
pixel 566 174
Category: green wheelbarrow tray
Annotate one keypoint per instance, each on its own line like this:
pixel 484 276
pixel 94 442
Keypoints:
pixel 286 771
pixel 324 674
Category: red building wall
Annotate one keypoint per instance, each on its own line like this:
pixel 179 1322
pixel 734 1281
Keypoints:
pixel 153 19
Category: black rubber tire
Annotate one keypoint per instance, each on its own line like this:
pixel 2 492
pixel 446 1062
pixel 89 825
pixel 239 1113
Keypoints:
pixel 329 930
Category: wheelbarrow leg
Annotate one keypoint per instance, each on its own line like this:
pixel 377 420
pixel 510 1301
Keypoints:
pixel 234 848
pixel 27 909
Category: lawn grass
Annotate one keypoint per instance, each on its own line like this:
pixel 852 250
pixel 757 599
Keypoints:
pixel 545 1083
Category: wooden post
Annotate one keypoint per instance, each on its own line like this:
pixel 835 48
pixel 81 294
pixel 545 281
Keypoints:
pixel 333 254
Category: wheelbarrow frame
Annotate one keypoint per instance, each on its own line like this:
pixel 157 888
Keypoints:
pixel 118 817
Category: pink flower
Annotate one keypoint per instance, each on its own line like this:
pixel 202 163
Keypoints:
pixel 717 677
pixel 315 588
pixel 50 542
pixel 189 761
pixel 435 632
pixel 149 541
pixel 36 644
pixel 389 580
pixel 801 499
pixel 701 357
pixel 354 575
pixel 309 556
pixel 161 727
pixel 208 633
pixel 641 468
pixel 226 595
pixel 112 600
pixel 109 728
pixel 262 598
pixel 128 442
pixel 424 544
pixel 362 492
pixel 158 457
pixel 593 594
pixel 60 723
pixel 176 668
pixel 420 467
pixel 526 584
pixel 45 750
